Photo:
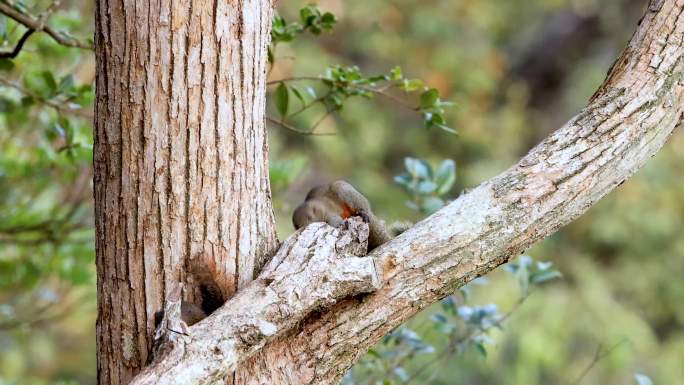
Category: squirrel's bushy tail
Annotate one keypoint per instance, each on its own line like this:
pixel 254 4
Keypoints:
pixel 398 227
pixel 212 296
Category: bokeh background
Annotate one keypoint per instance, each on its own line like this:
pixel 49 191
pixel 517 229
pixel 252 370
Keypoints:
pixel 515 69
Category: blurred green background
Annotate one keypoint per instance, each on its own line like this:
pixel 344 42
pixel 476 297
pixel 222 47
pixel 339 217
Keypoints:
pixel 515 69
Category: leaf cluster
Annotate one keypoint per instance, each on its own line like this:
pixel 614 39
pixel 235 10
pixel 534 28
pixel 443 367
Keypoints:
pixel 337 83
pixel 427 186
pixel 458 328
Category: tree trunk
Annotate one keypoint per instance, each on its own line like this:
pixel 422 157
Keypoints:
pixel 180 158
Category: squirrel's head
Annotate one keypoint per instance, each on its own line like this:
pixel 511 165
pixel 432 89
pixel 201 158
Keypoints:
pixel 308 212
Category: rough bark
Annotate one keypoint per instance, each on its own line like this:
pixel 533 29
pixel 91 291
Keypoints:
pixel 180 158
pixel 312 270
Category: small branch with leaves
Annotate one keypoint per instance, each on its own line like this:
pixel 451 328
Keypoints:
pixel 39 24
pixel 462 327
pixel 341 83
pixel 60 97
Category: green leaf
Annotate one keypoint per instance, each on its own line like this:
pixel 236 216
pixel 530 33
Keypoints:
pixel 328 20
pixel 7 105
pixel 395 73
pixel 309 14
pixel 426 187
pixel 447 129
pixel 401 373
pixel 6 65
pixel 27 101
pixel 49 81
pixel 304 98
pixel 281 99
pixel 429 98
pixel 271 57
pixel 481 349
pixel 540 277
pixel 412 205
pixel 66 83
pixel 433 118
pixel 446 176
pixel 3 28
pixel 432 204
pixel 411 85
pixel 418 168
pixel 403 180
pixel 298 94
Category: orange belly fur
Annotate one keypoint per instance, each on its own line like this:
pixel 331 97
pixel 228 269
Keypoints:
pixel 346 212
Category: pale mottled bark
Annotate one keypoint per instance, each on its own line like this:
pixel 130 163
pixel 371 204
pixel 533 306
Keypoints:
pixel 626 123
pixel 181 171
pixel 314 269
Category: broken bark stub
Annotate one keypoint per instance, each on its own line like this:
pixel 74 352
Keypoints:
pixel 313 269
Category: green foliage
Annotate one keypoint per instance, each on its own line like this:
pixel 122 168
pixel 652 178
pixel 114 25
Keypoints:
pixel 426 186
pixel 46 225
pixel 339 83
pixel 282 172
pixel 407 355
pixel 530 273
pixel 311 19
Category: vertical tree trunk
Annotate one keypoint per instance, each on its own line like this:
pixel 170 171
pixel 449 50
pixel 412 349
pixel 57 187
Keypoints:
pixel 180 157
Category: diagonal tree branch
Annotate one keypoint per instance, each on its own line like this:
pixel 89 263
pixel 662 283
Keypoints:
pixel 627 121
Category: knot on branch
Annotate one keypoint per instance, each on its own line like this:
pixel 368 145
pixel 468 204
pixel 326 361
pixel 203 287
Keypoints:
pixel 314 268
pixel 321 264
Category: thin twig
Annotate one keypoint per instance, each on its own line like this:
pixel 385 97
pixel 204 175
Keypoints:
pixel 320 120
pixel 36 318
pixel 387 95
pixel 450 348
pixel 20 44
pixel 295 129
pixel 37 24
pixel 598 356
pixel 378 91
pixel 293 79
pixel 42 21
pixel 50 103
pixel 307 106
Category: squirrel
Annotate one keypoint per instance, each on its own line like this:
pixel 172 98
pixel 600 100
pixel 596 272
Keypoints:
pixel 331 203
pixel 211 298
pixel 336 201
pixel 191 313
